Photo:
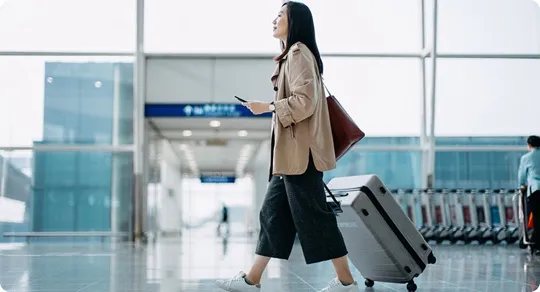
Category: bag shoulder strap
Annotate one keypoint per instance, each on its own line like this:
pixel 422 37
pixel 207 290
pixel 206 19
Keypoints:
pixel 325 87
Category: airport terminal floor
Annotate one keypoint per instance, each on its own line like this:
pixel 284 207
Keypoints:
pixel 195 261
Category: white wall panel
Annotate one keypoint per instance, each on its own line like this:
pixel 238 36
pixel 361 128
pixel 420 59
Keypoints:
pixel 178 80
pixel 208 80
pixel 487 97
pixel 170 205
pixel 249 79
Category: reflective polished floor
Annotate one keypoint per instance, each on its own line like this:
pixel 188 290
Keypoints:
pixel 192 263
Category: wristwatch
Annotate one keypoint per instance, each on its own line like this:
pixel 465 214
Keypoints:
pixel 272 107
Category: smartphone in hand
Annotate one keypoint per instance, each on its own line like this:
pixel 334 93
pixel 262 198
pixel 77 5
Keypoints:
pixel 240 99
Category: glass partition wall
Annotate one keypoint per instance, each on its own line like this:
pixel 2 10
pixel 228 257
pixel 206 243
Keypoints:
pixel 446 100
pixel 67 120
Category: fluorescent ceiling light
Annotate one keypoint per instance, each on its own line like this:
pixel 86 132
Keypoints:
pixel 215 124
pixel 242 133
pixel 187 133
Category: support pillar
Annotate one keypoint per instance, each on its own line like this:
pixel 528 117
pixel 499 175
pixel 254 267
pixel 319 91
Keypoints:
pixel 139 129
pixel 433 94
pixel 423 126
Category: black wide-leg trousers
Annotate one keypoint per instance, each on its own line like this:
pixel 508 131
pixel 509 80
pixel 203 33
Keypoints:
pixel 297 204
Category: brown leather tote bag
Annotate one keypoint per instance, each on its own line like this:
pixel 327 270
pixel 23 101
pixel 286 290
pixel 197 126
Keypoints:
pixel 344 130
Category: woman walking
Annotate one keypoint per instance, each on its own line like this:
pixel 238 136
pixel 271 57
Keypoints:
pixel 302 148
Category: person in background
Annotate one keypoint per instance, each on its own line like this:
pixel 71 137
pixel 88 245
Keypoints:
pixel 529 177
pixel 224 220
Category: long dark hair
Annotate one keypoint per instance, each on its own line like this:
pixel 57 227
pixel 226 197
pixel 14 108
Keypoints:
pixel 301 29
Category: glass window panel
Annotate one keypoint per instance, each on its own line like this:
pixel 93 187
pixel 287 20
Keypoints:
pixel 61 100
pixel 384 96
pixel 245 26
pixel 354 26
pixel 486 26
pixel 397 169
pixel 477 170
pixel 67 26
pixel 481 141
pixel 398 141
pixel 241 26
pixel 490 97
pixel 68 191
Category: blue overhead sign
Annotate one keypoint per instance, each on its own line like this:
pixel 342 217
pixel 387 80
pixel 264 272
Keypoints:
pixel 199 110
pixel 211 179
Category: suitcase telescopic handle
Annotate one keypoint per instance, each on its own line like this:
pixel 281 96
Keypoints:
pixel 330 193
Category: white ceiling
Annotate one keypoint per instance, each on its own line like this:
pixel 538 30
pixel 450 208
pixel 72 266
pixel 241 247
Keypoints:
pixel 214 150
pixel 202 80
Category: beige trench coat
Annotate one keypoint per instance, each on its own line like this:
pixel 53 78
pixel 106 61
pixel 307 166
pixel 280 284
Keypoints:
pixel 301 122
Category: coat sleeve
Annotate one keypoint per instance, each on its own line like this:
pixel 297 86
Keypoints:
pixel 302 80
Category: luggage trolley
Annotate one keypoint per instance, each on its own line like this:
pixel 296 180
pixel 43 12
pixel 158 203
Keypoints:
pixel 459 229
pixel 427 230
pixel 415 205
pixel 495 213
pixel 509 217
pixel 407 201
pixel 484 217
pixel 401 198
pixel 520 205
pixel 441 211
pixel 470 216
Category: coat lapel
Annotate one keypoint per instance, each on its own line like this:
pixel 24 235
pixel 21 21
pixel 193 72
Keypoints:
pixel 277 70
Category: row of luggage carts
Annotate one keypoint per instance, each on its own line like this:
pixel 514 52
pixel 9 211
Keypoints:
pixel 464 216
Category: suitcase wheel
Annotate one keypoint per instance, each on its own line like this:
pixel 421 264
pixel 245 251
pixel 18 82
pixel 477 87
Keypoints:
pixel 411 286
pixel 369 283
pixel 432 259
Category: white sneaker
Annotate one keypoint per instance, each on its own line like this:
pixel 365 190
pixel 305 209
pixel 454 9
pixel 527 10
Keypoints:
pixel 2 290
pixel 236 284
pixel 336 286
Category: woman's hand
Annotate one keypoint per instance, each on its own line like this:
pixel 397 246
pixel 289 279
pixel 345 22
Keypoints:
pixel 258 107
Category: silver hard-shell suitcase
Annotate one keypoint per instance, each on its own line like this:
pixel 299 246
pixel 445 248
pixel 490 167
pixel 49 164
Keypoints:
pixel 383 243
